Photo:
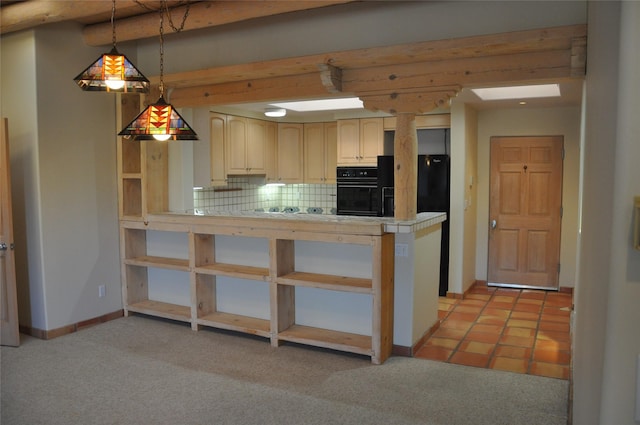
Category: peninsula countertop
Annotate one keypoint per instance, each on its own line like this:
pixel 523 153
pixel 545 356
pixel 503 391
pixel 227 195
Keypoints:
pixel 268 219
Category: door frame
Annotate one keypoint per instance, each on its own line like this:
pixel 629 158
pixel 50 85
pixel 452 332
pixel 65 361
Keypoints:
pixel 9 326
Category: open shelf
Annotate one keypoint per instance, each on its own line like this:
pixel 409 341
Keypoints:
pixel 343 341
pixel 235 322
pixel 162 309
pixel 326 281
pixel 235 270
pixel 159 262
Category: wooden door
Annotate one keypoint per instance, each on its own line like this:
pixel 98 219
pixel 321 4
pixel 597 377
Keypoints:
pixel 9 334
pixel 525 209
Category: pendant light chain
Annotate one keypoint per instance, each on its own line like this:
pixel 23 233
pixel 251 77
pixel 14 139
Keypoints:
pixel 164 9
pixel 162 53
pixel 113 26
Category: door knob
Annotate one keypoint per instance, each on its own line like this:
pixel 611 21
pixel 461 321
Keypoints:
pixel 493 224
pixel 3 246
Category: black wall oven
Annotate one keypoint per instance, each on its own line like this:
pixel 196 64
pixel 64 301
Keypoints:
pixel 357 191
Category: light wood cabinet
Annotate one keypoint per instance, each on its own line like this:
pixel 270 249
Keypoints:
pixel 218 165
pixel 290 153
pixel 360 141
pixel 245 146
pixel 201 263
pixel 422 121
pixel 320 152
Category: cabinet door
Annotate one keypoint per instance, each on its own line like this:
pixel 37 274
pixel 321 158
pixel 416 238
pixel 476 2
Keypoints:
pixel 216 142
pixel 348 142
pixel 331 152
pixel 371 140
pixel 290 153
pixel 236 145
pixel 314 153
pixel 271 151
pixel 256 152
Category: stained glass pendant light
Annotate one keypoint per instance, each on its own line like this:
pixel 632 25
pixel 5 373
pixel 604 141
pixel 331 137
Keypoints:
pixel 160 121
pixel 113 72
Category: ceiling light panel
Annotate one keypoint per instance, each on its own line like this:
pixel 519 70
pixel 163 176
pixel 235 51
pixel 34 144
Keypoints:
pixel 518 92
pixel 322 105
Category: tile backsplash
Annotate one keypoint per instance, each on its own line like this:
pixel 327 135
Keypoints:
pixel 245 194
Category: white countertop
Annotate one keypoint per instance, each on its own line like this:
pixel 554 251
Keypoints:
pixel 422 220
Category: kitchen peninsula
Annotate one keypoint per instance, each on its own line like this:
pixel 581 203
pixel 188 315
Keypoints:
pixel 322 280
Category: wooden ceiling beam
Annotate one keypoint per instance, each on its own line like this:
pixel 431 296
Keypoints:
pixel 202 14
pixel 414 86
pixel 471 71
pixel 28 14
pixel 305 86
pixel 560 38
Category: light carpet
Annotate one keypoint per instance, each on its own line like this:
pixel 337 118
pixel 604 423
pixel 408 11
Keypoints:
pixel 140 370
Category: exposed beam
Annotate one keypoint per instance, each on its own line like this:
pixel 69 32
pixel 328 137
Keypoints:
pixel 28 14
pixel 419 102
pixel 494 45
pixel 472 71
pixel 201 15
pixel 305 86
pixel 421 81
pixel 331 77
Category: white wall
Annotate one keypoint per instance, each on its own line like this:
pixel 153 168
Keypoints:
pixel 563 121
pixel 607 313
pixel 64 175
pixel 19 105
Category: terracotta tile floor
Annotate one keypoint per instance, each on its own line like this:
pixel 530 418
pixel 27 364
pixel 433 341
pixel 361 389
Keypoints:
pixel 517 330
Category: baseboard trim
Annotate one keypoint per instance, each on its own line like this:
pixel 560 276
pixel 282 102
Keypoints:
pixel 404 351
pixel 55 333
pixel 458 296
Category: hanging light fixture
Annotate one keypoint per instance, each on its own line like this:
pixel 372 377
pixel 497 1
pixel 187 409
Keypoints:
pixel 113 72
pixel 160 121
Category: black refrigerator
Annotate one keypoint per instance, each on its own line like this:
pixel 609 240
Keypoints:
pixel 433 196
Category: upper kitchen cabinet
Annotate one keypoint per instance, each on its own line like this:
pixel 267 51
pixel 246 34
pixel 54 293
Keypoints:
pixel 360 141
pixel 290 153
pixel 218 130
pixel 245 146
pixel 320 152
pixel 422 121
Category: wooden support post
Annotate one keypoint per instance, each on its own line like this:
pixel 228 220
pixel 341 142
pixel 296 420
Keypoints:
pixel 405 148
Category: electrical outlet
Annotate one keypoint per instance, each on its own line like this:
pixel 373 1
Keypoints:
pixel 102 290
pixel 402 250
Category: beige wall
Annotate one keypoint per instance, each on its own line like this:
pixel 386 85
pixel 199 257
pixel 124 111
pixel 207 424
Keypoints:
pixel 563 121
pixel 63 164
pixel 463 209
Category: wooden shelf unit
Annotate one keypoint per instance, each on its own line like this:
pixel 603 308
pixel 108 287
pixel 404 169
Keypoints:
pixel 280 275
